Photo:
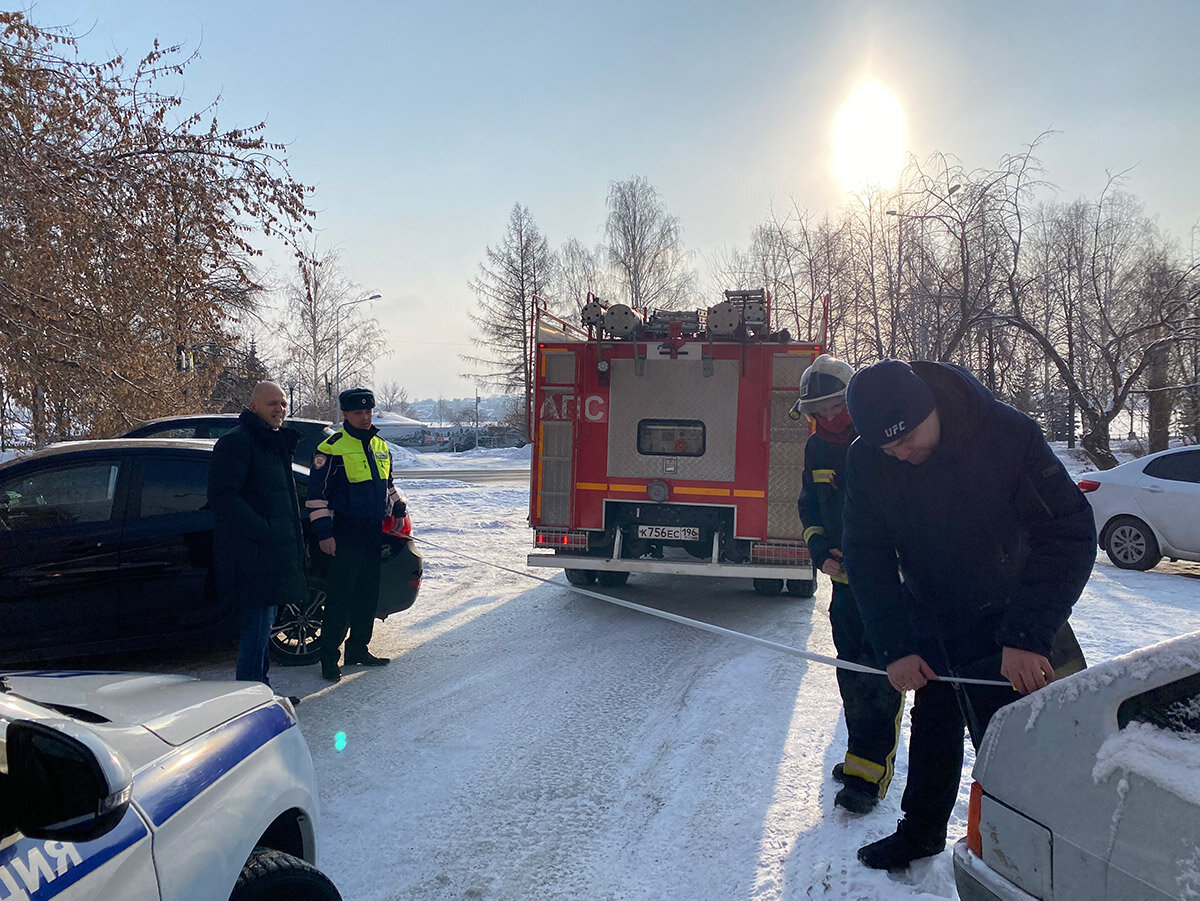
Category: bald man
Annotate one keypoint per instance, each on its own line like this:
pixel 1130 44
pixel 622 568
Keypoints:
pixel 258 546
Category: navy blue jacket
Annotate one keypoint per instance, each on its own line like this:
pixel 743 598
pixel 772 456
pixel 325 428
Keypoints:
pixel 333 492
pixel 822 495
pixel 994 541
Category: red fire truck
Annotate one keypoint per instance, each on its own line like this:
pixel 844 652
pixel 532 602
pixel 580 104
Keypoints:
pixel 662 442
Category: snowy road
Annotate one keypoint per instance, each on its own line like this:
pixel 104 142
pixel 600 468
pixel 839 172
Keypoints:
pixel 530 743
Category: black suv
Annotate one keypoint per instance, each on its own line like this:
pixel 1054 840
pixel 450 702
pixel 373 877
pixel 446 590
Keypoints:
pixel 214 425
pixel 107 546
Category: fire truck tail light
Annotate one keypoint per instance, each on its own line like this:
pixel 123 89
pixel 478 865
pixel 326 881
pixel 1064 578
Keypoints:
pixel 561 538
pixel 779 552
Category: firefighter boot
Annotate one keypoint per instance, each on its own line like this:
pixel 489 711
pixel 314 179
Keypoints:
pixel 857 796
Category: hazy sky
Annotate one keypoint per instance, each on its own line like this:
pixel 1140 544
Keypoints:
pixel 421 124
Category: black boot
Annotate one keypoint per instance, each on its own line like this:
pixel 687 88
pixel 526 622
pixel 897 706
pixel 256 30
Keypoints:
pixel 365 658
pixel 857 796
pixel 839 773
pixel 330 671
pixel 900 849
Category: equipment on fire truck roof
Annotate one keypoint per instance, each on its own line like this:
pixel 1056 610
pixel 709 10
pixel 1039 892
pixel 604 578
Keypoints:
pixel 621 322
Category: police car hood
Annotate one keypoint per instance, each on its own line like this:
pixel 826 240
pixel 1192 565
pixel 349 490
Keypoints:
pixel 174 708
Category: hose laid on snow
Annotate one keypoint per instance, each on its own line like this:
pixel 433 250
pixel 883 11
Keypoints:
pixel 703 626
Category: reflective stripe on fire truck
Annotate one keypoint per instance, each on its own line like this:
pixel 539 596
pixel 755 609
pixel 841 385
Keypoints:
pixel 679 489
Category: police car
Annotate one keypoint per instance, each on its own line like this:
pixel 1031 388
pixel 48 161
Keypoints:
pixel 132 787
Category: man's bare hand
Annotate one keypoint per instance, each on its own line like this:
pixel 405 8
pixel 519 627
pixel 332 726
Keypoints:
pixel 833 566
pixel 1026 670
pixel 328 546
pixel 909 673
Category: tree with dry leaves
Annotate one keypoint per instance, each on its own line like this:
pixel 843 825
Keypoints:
pixel 127 234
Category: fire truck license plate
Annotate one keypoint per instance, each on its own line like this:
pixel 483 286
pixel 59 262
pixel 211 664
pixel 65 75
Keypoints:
pixel 670 533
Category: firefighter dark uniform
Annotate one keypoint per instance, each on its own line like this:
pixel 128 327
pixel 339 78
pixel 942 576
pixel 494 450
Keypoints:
pixel 872 707
pixel 350 493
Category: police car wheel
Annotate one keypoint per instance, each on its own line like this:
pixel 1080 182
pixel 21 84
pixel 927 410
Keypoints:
pixel 802 588
pixel 296 637
pixel 271 875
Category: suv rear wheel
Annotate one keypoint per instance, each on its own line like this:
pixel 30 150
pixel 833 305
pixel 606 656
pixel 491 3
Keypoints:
pixel 296 637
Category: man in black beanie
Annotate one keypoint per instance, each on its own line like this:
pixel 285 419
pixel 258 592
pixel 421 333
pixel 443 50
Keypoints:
pixel 995 544
pixel 350 493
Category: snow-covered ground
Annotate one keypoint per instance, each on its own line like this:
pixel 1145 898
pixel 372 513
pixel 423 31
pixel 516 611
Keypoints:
pixel 529 742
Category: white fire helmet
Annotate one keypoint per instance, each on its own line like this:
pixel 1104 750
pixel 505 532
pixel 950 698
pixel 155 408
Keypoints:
pixel 825 380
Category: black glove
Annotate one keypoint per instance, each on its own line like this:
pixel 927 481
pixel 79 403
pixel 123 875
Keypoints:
pixel 399 509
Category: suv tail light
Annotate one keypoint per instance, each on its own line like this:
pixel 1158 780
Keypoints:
pixel 974 840
pixel 1087 485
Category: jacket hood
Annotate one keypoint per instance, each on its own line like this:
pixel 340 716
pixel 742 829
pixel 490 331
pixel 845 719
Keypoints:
pixel 961 399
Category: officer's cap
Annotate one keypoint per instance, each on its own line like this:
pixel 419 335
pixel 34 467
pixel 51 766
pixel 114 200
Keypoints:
pixel 356 399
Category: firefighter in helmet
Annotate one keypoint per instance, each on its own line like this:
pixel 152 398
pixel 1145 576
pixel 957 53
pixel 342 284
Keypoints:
pixel 872 707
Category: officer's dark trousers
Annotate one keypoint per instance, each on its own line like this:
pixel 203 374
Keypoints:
pixel 353 588
pixel 935 749
pixel 872 707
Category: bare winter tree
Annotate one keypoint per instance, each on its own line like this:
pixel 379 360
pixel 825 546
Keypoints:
pixel 645 247
pixel 521 267
pixel 582 271
pixel 1116 299
pixel 323 331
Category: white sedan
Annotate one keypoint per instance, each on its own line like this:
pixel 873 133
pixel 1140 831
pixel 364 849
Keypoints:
pixel 1148 508
pixel 1088 790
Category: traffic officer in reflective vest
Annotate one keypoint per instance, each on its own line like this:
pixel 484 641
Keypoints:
pixel 350 492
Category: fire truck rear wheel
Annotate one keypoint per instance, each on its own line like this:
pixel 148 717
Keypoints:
pixel 611 578
pixel 803 588
pixel 768 586
pixel 581 576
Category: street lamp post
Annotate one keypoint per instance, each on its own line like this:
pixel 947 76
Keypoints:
pixel 337 340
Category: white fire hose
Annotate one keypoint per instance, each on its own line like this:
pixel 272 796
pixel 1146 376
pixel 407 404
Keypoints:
pixel 703 626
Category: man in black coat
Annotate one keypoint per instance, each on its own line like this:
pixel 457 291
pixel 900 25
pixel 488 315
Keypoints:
pixel 258 545
pixel 995 544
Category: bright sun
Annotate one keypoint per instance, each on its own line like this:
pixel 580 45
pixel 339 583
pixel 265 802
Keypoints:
pixel 869 138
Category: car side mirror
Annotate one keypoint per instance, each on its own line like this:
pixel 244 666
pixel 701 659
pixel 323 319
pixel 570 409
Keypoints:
pixel 64 787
